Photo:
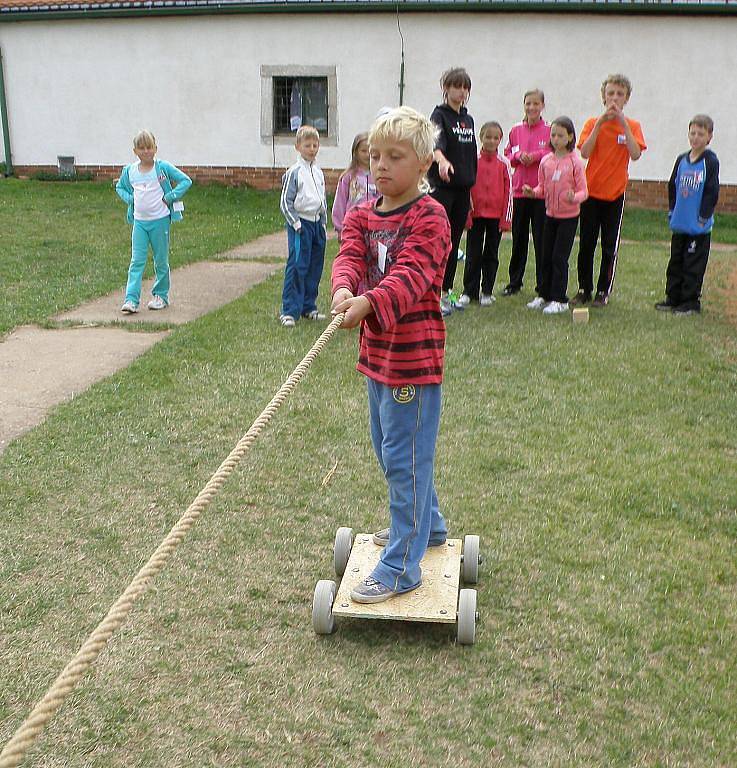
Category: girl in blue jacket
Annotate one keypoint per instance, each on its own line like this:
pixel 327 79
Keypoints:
pixel 152 190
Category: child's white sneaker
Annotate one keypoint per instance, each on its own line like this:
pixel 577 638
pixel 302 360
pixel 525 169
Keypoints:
pixel 537 303
pixel 287 321
pixel 157 303
pixel 129 308
pixel 487 299
pixel 464 300
pixel 314 315
pixel 555 308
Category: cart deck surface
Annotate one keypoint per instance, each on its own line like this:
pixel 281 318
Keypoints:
pixel 435 600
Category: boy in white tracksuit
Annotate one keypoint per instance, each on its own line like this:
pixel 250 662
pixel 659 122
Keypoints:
pixel 304 207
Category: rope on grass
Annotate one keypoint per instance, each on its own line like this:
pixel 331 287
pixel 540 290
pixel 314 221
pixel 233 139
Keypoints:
pixel 15 750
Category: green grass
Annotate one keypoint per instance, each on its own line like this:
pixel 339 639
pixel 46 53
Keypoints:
pixel 67 243
pixel 596 462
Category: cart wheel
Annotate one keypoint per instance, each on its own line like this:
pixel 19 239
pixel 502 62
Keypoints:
pixel 467 617
pixel 342 549
pixel 323 621
pixel 471 559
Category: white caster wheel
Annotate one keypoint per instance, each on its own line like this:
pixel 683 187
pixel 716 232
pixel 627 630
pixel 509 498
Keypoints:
pixel 323 621
pixel 467 617
pixel 471 559
pixel 342 549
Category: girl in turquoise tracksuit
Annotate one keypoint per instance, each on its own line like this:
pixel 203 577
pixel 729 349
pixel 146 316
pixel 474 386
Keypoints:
pixel 151 189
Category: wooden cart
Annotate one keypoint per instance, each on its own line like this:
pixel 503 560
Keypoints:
pixel 439 599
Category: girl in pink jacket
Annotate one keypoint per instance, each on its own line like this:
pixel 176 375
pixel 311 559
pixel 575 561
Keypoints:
pixel 355 184
pixel 528 144
pixel 491 214
pixel 562 183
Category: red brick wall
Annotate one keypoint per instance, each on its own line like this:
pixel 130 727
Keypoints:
pixel 640 194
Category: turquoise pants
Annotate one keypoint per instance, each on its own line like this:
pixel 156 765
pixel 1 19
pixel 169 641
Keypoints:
pixel 156 234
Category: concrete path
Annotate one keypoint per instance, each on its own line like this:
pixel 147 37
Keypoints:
pixel 42 368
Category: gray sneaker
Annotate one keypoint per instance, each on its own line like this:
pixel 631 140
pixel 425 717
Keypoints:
pixel 381 538
pixel 369 590
pixel 157 303
pixel 129 308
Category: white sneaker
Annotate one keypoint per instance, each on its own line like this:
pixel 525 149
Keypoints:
pixel 486 300
pixel 287 321
pixel 157 303
pixel 463 300
pixel 129 308
pixel 555 308
pixel 537 303
pixel 314 315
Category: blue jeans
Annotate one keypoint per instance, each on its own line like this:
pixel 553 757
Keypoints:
pixel 156 234
pixel 404 429
pixel 304 269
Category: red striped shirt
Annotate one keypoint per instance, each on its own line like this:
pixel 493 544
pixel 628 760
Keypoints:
pixel 397 260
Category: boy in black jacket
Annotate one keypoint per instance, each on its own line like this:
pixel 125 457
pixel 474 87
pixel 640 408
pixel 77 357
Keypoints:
pixel 693 191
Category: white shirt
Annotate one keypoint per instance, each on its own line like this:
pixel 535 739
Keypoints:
pixel 148 202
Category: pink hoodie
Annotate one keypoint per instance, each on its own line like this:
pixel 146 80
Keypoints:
pixel 535 141
pixel 556 176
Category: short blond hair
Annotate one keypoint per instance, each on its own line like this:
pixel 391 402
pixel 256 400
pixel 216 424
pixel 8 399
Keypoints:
pixel 406 124
pixel 306 132
pixel 617 79
pixel 144 139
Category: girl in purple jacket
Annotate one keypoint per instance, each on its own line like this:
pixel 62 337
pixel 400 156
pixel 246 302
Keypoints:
pixel 528 144
pixel 355 184
pixel 562 184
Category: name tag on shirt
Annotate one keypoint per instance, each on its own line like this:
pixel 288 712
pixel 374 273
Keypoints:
pixel 381 248
pixel 177 205
pixel 543 143
pixel 621 138
pixel 556 175
pixel 515 149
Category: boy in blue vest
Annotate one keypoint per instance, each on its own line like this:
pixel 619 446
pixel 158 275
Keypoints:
pixel 152 190
pixel 693 191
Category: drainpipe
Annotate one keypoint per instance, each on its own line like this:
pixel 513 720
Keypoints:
pixel 4 115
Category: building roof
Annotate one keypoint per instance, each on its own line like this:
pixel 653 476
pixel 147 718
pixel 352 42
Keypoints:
pixel 69 8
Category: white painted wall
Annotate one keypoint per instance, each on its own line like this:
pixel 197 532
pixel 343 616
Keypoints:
pixel 84 87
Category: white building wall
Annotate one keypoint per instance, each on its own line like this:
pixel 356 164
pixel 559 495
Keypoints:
pixel 83 88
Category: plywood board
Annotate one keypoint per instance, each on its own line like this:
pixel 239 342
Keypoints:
pixel 435 600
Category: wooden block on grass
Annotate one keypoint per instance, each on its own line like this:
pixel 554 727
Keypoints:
pixel 581 315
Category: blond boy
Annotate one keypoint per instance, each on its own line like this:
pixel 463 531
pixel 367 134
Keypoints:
pixel 387 278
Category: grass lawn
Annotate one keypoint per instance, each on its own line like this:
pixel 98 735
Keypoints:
pixel 596 462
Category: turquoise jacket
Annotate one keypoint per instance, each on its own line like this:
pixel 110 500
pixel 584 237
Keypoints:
pixel 166 173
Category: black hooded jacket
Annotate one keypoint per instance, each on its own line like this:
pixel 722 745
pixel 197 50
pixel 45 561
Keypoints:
pixel 457 141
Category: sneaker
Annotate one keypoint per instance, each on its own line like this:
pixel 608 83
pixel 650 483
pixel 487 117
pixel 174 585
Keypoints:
pixel 689 308
pixel 157 303
pixel 665 306
pixel 464 300
pixel 510 290
pixel 369 590
pixel 580 299
pixel 600 300
pixel 314 315
pixel 486 300
pixel 129 308
pixel 555 308
pixel 287 321
pixel 446 308
pixel 537 303
pixel 381 538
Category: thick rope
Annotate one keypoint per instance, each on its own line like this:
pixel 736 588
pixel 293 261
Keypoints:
pixel 29 731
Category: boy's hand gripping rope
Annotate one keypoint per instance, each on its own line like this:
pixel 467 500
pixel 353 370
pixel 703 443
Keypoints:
pixel 26 735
